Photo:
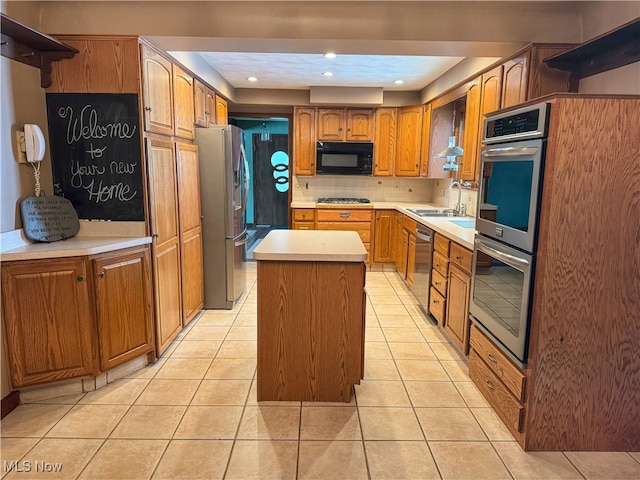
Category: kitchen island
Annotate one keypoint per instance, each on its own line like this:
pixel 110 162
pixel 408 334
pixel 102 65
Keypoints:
pixel 311 315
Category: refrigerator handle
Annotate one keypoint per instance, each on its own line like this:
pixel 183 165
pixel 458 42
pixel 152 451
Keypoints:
pixel 242 240
pixel 245 167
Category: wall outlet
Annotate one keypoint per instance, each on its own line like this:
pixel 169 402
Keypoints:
pixel 297 186
pixel 396 185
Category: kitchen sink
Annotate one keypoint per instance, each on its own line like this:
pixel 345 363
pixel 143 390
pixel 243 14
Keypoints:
pixel 434 212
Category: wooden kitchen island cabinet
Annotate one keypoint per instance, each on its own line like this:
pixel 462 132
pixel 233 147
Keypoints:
pixel 311 315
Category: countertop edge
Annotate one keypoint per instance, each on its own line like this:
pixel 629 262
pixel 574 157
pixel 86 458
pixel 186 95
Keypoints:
pixel 294 257
pixel 73 247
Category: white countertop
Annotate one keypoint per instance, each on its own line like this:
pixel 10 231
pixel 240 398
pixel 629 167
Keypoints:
pixel 311 246
pixel 462 235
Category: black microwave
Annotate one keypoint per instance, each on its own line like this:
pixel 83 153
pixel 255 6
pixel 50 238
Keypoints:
pixel 344 158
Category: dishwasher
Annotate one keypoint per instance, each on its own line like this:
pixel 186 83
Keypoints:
pixel 422 266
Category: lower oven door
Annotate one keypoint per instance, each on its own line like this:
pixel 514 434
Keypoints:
pixel 500 294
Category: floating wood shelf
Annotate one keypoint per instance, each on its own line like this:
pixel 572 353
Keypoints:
pixel 613 49
pixel 26 45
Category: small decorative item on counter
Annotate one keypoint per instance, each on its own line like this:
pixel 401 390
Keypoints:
pixel 48 218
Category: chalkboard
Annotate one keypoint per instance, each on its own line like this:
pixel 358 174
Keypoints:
pixel 95 154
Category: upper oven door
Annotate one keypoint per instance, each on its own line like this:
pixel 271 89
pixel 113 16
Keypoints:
pixel 510 187
pixel 500 293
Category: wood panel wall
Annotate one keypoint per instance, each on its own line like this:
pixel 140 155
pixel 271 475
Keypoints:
pixel 585 332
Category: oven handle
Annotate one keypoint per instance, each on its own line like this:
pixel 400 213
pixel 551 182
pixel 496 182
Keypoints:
pixel 510 152
pixel 510 260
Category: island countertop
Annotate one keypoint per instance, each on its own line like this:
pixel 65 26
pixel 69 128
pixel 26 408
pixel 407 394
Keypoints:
pixel 311 246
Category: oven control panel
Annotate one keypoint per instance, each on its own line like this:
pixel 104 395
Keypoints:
pixel 524 123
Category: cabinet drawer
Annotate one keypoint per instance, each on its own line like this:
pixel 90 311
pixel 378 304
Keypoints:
pixel 439 282
pixel 460 255
pixel 302 225
pixel 508 408
pixel 500 365
pixel 441 244
pixel 303 214
pixel 436 305
pixel 346 215
pixel 409 224
pixel 363 228
pixel 440 264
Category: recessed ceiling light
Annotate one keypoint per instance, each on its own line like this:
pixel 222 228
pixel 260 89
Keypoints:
pixel 327 74
pixel 330 55
pixel 399 82
pixel 252 79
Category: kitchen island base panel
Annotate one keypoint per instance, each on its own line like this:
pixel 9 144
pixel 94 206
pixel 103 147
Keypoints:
pixel 310 330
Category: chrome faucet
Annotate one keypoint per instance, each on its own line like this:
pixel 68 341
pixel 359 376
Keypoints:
pixel 460 210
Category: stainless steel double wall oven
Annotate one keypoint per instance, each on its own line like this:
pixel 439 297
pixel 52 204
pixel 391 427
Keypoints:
pixel 511 173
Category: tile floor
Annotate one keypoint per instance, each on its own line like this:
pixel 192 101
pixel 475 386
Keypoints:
pixel 194 415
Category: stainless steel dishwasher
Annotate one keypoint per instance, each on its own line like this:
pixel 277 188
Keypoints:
pixel 422 265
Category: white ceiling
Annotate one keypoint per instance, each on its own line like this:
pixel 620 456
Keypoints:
pixel 302 71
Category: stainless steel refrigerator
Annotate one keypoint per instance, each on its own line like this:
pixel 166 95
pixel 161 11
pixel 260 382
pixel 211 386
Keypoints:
pixel 224 186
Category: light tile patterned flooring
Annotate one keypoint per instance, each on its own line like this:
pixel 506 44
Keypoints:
pixel 194 414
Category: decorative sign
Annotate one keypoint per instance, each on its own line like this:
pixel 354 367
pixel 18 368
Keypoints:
pixel 95 154
pixel 48 219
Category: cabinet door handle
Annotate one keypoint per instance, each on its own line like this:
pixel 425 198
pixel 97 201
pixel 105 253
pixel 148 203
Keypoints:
pixel 345 214
pixel 435 302
pixel 155 235
pixel 490 385
pixel 148 109
pixel 80 278
pixel 458 258
pixel 437 284
pixel 101 274
pixel 491 358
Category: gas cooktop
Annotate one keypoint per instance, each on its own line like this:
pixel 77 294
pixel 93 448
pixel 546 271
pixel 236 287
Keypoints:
pixel 343 200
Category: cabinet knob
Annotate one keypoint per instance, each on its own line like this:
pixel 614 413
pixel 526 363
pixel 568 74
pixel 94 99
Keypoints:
pixel 101 274
pixel 436 302
pixel 148 109
pixel 80 278
pixel 458 258
pixel 437 284
pixel 155 235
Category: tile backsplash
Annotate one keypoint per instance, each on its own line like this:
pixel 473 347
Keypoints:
pixel 382 189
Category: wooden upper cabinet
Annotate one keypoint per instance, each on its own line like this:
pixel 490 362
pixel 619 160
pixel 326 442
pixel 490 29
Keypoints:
pixel 200 104
pixel 210 111
pixel 515 80
pixel 222 111
pixel 157 91
pixel 384 144
pixel 331 124
pixel 123 305
pixel 409 141
pixel 426 144
pixel 163 201
pixel 340 124
pixel 359 125
pixel 491 93
pixel 469 160
pixel 183 103
pixel 304 141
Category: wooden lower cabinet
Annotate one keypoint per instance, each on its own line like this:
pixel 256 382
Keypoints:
pixel 55 331
pixel 304 219
pixel 357 220
pixel 123 305
pixel 383 236
pixel 459 287
pixel 168 305
pixel 47 320
pixel 192 275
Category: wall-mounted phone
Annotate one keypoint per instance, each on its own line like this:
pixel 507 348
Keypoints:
pixel 30 144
